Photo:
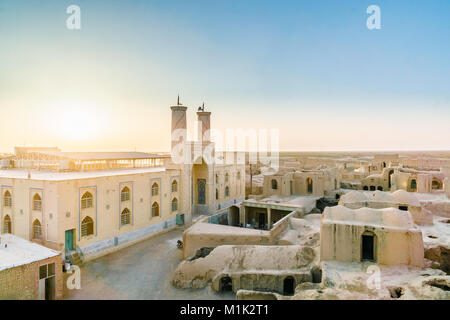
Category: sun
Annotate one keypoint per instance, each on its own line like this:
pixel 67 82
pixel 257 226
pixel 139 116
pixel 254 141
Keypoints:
pixel 79 122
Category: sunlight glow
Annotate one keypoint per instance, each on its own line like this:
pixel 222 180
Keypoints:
pixel 78 122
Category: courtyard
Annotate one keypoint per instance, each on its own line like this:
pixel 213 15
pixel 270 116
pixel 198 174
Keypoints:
pixel 142 272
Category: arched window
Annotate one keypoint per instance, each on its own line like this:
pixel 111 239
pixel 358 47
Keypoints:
pixel 155 189
pixel 37 229
pixel 174 186
pixel 87 227
pixel 125 194
pixel 227 192
pixel 226 177
pixel 380 188
pixel 217 178
pixel 125 217
pixel 436 184
pixel 217 194
pixel 238 175
pixel 87 200
pixel 309 184
pixel 174 204
pixel 365 188
pixel 7 201
pixel 7 224
pixel 274 184
pixel 155 209
pixel 37 202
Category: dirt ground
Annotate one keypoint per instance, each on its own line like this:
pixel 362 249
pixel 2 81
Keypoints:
pixel 142 272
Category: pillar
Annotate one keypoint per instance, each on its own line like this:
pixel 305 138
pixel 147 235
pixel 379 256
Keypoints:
pixel 178 133
pixel 204 120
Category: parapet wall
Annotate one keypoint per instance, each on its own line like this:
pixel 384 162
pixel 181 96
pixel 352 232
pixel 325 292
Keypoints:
pixel 439 208
pixel 209 235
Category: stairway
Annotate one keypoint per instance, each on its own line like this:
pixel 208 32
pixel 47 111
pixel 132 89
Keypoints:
pixel 75 259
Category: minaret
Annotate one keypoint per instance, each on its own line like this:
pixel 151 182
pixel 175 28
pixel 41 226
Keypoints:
pixel 179 133
pixel 204 119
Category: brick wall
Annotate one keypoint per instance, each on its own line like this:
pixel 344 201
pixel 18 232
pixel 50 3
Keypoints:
pixel 22 282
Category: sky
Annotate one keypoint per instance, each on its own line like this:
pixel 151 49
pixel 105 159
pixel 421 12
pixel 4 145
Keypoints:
pixel 310 69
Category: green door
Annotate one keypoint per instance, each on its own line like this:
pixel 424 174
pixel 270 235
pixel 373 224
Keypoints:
pixel 69 239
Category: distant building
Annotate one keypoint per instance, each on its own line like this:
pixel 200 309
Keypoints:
pixel 287 182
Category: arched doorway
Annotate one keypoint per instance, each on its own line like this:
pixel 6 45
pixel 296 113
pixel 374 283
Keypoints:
pixel 413 185
pixel 288 286
pixel 233 219
pixel 309 184
pixel 391 172
pixel 226 284
pixel 368 246
pixel 274 184
pixel 200 192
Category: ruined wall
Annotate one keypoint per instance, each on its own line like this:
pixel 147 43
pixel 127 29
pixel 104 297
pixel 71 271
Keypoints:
pixel 265 281
pixel 440 208
pixel 194 240
pixel 241 259
pixel 207 235
pixel 447 187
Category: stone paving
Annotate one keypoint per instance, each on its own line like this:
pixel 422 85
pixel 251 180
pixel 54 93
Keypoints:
pixel 141 271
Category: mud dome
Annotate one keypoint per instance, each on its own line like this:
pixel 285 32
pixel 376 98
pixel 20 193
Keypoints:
pixel 266 268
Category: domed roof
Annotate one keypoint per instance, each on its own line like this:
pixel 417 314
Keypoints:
pixel 404 197
pixel 354 196
pixel 389 217
pixel 381 196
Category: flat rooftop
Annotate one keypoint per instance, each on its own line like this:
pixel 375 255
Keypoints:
pixel 20 252
pixel 288 203
pixel 74 175
pixel 95 156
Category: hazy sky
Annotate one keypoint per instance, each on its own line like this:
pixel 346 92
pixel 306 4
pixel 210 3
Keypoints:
pixel 311 69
